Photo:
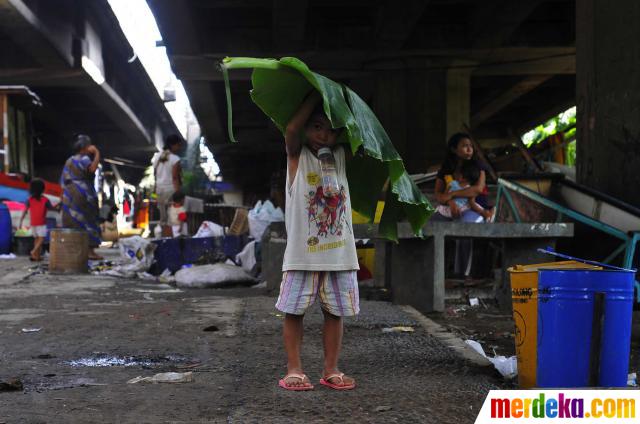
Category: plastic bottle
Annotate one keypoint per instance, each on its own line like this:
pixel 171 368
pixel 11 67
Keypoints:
pixel 330 186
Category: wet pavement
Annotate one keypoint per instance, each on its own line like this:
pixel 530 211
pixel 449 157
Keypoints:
pixel 97 333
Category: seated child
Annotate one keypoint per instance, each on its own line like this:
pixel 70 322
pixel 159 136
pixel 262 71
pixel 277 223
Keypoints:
pixel 177 215
pixel 462 203
pixel 37 205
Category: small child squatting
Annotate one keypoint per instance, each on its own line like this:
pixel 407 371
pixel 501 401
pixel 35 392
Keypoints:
pixel 320 259
pixel 177 215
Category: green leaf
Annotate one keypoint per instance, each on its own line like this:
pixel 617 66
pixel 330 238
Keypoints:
pixel 280 87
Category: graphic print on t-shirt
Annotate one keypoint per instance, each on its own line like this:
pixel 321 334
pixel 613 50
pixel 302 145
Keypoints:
pixel 327 215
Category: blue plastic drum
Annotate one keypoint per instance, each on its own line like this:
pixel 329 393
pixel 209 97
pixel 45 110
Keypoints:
pixel 5 229
pixel 566 304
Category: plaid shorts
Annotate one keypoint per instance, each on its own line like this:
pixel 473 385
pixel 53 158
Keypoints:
pixel 337 290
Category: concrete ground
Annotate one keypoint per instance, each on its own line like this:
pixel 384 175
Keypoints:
pixel 142 328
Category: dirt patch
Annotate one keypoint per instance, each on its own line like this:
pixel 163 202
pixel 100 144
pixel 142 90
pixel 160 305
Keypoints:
pixel 491 327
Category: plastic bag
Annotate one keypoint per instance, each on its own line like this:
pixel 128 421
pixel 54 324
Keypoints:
pixel 136 256
pixel 261 216
pixel 216 275
pixel 507 367
pixel 209 229
pixel 247 257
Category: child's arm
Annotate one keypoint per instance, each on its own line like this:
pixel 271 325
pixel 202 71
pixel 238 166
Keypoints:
pixel 24 214
pixel 293 136
pixel 486 213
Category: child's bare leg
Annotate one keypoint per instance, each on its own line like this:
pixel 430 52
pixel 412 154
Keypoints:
pixel 293 331
pixel 37 247
pixel 332 338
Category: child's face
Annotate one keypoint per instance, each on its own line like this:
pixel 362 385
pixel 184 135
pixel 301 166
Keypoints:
pixel 319 132
pixel 464 150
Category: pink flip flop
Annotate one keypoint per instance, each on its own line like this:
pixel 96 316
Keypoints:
pixel 325 382
pixel 282 383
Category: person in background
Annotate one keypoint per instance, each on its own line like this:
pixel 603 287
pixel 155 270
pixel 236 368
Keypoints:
pixel 79 198
pixel 168 176
pixel 37 205
pixel 462 167
pixel 177 215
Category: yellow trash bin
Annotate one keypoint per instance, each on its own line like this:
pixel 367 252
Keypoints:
pixel 367 255
pixel 524 295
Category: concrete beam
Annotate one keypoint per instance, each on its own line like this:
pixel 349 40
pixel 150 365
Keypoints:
pixel 518 90
pixel 48 46
pixel 205 107
pixel 396 22
pixel 495 22
pixel 564 63
pixel 289 23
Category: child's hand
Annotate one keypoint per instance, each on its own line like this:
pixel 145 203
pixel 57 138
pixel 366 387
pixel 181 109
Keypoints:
pixel 487 214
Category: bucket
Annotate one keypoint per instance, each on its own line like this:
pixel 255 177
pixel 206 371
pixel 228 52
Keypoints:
pixel 24 245
pixel 5 229
pixel 69 251
pixel 524 294
pixel 584 327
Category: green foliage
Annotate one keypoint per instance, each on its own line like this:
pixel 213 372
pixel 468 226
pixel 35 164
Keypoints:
pixel 564 122
pixel 280 86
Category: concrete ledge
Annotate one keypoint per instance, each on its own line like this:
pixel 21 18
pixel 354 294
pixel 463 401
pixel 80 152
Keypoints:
pixel 447 338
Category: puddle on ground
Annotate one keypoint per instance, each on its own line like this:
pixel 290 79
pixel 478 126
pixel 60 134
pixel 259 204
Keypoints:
pixel 126 361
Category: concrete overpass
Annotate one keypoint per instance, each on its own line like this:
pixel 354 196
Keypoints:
pixel 426 67
pixel 73 54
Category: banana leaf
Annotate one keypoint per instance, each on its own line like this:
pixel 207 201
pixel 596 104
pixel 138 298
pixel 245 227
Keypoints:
pixel 280 87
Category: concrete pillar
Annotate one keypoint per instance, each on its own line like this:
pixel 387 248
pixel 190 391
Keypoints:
pixel 420 104
pixel 608 94
pixel 458 98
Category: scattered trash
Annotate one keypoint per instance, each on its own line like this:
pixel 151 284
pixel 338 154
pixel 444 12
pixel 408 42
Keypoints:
pixel 11 385
pixel 383 408
pixel 209 229
pixel 44 356
pixel 166 277
pixel 398 330
pixel 261 216
pixel 507 367
pixel 8 256
pixel 102 360
pixel 474 301
pixel 211 328
pixel 632 380
pixel 146 276
pixel 165 377
pixel 31 330
pixel 216 275
pixel 136 255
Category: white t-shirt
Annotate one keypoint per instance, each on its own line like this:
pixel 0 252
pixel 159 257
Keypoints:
pixel 319 229
pixel 164 170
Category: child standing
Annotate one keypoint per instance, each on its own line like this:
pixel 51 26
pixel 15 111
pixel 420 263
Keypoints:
pixel 177 215
pixel 37 205
pixel 320 260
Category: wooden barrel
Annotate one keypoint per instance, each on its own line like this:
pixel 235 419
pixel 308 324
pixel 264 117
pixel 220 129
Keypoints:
pixel 69 251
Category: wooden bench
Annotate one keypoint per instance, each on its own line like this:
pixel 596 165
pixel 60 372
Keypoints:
pixel 414 268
